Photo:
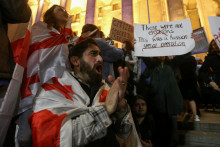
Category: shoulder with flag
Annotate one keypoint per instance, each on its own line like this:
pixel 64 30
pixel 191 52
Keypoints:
pixel 62 104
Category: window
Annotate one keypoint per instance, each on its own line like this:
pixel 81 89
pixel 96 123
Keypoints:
pixel 76 18
pixel 115 7
pixel 100 14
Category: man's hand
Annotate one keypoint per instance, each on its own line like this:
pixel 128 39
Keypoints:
pixel 122 85
pixel 111 101
pixel 214 86
pixel 124 75
pixel 123 78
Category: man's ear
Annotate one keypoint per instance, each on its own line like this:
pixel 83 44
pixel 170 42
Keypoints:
pixel 75 61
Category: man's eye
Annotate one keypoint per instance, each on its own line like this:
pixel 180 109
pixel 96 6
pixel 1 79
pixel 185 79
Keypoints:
pixel 94 53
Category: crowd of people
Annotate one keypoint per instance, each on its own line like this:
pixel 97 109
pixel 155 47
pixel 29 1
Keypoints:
pixel 90 92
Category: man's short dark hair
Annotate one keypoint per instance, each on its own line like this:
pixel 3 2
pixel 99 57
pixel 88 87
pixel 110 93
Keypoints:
pixel 137 97
pixel 90 27
pixel 81 47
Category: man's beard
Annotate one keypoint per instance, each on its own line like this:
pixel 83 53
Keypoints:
pixel 139 115
pixel 90 74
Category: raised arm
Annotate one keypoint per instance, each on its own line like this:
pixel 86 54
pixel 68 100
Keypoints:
pixel 109 53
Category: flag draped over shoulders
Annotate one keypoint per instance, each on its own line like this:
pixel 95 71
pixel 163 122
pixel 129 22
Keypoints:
pixel 61 116
pixel 47 58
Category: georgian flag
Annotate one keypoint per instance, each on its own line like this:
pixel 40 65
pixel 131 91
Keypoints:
pixel 47 58
pixel 19 35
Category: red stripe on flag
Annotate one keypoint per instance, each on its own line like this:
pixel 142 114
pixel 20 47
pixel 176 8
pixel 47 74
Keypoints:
pixel 20 49
pixel 56 39
pixel 64 89
pixel 69 31
pixel 26 91
pixel 103 96
pixel 45 128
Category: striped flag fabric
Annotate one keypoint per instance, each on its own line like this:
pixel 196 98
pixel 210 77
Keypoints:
pixel 47 58
pixel 19 35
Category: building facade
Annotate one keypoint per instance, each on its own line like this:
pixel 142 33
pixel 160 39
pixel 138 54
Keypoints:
pixel 101 12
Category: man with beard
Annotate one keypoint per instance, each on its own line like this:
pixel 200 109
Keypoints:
pixel 110 54
pixel 79 109
pixel 143 121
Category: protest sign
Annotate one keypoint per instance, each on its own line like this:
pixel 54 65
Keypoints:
pixel 201 41
pixel 121 31
pixel 214 23
pixel 164 38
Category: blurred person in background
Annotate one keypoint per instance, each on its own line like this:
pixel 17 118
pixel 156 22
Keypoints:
pixel 188 82
pixel 212 64
pixel 143 120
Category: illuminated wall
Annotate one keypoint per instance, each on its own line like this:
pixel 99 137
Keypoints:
pixel 159 11
pixel 77 8
pixel 105 11
pixel 34 6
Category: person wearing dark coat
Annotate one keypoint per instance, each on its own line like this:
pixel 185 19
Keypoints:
pixel 211 64
pixel 188 81
pixel 165 101
pixel 211 60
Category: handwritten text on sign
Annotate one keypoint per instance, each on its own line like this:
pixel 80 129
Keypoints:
pixel 214 23
pixel 121 31
pixel 164 38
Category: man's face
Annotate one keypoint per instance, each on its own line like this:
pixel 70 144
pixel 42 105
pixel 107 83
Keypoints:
pixel 60 14
pixel 140 108
pixel 91 64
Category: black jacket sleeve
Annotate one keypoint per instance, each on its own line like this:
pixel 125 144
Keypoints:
pixel 204 70
pixel 15 11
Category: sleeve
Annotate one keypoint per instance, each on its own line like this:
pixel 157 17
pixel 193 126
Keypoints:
pixel 204 70
pixel 48 127
pixel 15 11
pixel 134 59
pixel 122 124
pixel 109 53
pixel 90 126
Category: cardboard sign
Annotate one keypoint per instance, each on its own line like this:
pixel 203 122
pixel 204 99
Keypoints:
pixel 121 31
pixel 214 23
pixel 201 41
pixel 163 39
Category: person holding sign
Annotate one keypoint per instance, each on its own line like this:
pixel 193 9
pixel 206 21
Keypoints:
pixel 165 101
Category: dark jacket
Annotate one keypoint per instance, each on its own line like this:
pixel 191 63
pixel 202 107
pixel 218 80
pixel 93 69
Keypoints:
pixel 11 11
pixel 188 81
pixel 213 61
pixel 187 65
pixel 165 96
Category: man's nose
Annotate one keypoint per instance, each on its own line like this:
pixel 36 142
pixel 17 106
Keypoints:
pixel 99 58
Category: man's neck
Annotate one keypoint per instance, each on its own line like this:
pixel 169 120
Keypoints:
pixel 140 120
pixel 83 77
